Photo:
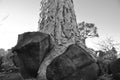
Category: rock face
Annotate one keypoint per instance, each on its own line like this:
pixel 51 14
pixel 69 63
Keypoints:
pixel 11 76
pixel 74 64
pixel 31 49
pixel 115 69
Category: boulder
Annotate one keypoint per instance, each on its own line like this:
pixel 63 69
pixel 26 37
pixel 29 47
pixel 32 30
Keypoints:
pixel 30 51
pixel 115 69
pixel 74 64
pixel 10 76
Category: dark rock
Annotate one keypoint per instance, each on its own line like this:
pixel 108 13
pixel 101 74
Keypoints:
pixel 103 67
pixel 115 69
pixel 11 76
pixel 30 51
pixel 1 61
pixel 74 64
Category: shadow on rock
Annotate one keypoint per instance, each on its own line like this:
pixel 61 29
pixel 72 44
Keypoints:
pixel 74 64
pixel 30 51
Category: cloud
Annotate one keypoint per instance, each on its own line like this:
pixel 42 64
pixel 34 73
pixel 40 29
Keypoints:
pixel 4 18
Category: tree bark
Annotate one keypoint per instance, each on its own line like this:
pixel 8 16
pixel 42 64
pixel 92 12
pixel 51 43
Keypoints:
pixel 57 19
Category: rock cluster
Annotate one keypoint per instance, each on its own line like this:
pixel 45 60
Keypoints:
pixel 54 53
pixel 30 51
pixel 35 51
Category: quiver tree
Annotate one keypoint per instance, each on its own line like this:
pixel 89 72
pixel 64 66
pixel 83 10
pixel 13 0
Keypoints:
pixel 108 44
pixel 107 53
pixel 109 47
pixel 87 30
pixel 57 18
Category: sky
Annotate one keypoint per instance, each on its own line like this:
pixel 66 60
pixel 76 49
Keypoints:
pixel 19 16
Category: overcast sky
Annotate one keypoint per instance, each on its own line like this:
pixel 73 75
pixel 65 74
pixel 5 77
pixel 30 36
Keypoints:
pixel 18 16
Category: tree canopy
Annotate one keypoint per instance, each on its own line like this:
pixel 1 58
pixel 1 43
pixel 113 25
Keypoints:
pixel 87 30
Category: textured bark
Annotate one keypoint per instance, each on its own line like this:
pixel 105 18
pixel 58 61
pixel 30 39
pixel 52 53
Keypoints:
pixel 54 53
pixel 57 19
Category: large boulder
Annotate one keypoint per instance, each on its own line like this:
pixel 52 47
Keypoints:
pixel 74 64
pixel 30 51
pixel 115 69
pixel 10 76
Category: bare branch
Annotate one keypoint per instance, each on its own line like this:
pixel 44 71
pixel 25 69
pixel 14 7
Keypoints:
pixel 108 44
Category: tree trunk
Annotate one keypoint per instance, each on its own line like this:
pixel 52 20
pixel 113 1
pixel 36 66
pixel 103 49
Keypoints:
pixel 57 19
